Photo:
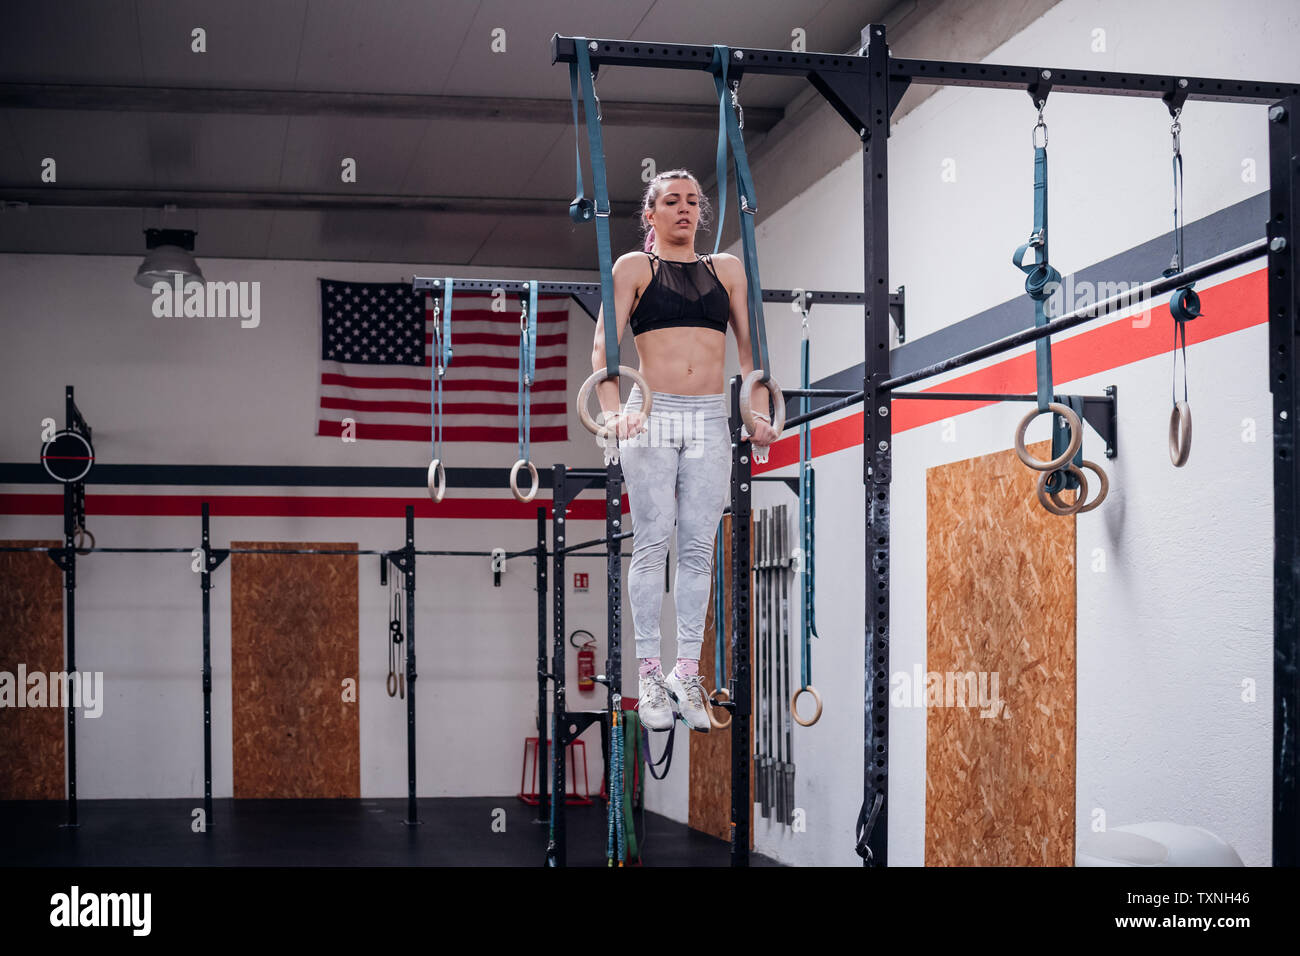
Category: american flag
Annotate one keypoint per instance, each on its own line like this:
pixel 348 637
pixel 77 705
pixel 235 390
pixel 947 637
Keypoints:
pixel 376 365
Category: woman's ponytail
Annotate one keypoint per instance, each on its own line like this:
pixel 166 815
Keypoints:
pixel 649 240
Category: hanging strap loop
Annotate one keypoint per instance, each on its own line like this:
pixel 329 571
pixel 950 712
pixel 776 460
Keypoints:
pixel 807 522
pixel 442 353
pixel 582 73
pixel 1041 281
pixel 727 86
pixel 527 371
pixel 1184 306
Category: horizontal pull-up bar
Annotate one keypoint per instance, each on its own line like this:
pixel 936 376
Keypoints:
pixel 984 397
pixel 1115 303
pixel 521 286
pixel 1119 83
pixel 469 554
pixel 594 541
pixel 692 56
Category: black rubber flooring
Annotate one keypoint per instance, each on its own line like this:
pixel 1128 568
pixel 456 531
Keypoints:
pixel 454 831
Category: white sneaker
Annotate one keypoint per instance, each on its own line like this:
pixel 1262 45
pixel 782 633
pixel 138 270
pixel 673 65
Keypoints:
pixel 689 695
pixel 653 706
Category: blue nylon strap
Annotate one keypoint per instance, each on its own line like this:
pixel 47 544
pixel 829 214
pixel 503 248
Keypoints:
pixel 1062 479
pixel 579 214
pixel 747 204
pixel 1041 280
pixel 446 322
pixel 721 164
pixel 604 247
pixel 527 370
pixel 441 358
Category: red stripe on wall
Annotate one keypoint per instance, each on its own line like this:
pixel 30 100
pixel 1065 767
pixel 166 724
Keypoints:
pixel 280 506
pixel 448 408
pixel 451 384
pixel 1228 307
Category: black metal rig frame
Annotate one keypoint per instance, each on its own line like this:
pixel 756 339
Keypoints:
pixel 402 559
pixel 587 294
pixel 567 725
pixel 865 89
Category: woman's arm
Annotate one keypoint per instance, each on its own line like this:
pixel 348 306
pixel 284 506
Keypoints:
pixel 627 272
pixel 738 288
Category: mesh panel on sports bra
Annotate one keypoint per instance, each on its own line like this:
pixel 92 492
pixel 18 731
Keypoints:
pixel 681 293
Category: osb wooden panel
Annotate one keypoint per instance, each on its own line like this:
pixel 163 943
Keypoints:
pixel 31 633
pixel 1000 598
pixel 710 777
pixel 293 642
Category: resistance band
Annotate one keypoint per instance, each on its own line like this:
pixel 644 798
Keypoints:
pixel 633 759
pixel 616 837
pixel 397 636
pixel 719 612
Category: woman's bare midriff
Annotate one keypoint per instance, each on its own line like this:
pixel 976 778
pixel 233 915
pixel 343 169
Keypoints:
pixel 683 360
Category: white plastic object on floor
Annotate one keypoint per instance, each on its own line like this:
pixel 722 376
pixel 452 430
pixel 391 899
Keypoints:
pixel 1160 843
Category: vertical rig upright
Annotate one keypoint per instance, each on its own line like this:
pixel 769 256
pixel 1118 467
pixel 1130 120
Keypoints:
pixel 877 442
pixel 1284 368
pixel 864 89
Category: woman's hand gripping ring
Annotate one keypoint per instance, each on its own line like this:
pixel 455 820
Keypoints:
pixel 584 394
pixel 746 403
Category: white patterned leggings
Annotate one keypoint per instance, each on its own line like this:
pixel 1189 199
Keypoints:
pixel 677 470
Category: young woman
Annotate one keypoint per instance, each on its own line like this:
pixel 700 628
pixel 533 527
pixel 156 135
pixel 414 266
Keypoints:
pixel 677 464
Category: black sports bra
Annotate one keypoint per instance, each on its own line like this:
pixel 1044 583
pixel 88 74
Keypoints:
pixel 682 294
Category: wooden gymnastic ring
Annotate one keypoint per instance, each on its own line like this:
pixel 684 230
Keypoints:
pixel 794 701
pixel 747 397
pixel 1180 434
pixel 79 538
pixel 584 394
pixel 1053 504
pixel 437 473
pixel 717 724
pixel 1076 438
pixel 514 481
pixel 1101 493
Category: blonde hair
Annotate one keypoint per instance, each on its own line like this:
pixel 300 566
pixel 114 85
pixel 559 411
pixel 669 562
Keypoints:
pixel 655 188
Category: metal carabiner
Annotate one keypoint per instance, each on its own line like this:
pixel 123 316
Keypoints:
pixel 735 103
pixel 1041 124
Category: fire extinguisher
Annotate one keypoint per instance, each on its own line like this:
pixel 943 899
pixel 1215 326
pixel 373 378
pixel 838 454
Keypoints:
pixel 586 661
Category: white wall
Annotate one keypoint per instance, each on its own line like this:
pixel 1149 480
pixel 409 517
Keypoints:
pixel 1183 612
pixel 205 391
pixel 1166 634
